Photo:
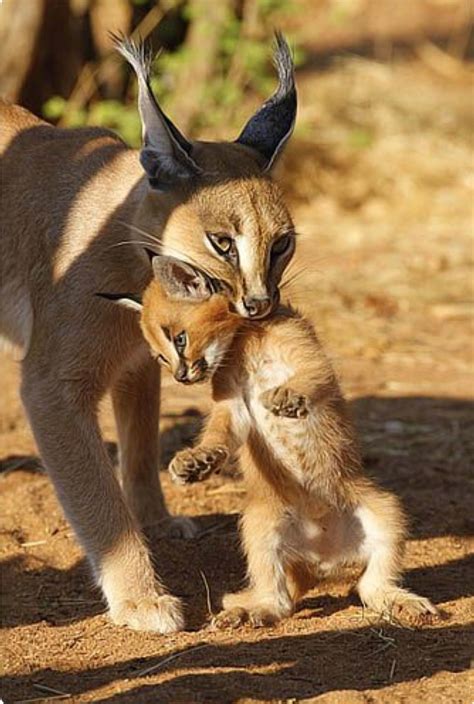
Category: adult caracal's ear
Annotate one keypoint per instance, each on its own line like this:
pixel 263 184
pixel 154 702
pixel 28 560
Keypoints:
pixel 270 128
pixel 166 153
pixel 180 280
pixel 128 300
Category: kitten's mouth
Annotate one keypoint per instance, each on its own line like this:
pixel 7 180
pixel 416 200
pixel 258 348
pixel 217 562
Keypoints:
pixel 198 373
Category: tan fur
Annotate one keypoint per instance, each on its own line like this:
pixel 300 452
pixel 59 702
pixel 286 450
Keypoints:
pixel 74 202
pixel 309 506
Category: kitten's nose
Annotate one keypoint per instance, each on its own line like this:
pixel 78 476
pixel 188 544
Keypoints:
pixel 181 373
pixel 257 306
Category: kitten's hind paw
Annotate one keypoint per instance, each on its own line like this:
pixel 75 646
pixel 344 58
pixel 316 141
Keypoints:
pixel 402 606
pixel 284 401
pixel 258 617
pixel 197 464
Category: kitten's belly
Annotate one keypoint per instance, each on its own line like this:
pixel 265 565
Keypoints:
pixel 327 540
pixel 290 440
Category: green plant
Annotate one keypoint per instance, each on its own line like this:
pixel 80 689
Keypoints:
pixel 241 68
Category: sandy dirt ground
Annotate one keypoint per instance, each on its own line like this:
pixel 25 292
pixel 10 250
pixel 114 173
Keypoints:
pixel 380 178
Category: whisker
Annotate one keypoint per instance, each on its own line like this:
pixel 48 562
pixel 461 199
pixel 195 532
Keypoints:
pixel 180 254
pixel 124 242
pixel 140 231
pixel 291 280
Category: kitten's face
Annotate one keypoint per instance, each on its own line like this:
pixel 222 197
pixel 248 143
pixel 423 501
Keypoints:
pixel 190 338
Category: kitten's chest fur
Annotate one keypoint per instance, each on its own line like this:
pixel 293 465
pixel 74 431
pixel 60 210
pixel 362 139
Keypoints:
pixel 260 364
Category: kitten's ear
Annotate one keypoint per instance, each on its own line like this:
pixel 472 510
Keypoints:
pixel 127 300
pixel 180 280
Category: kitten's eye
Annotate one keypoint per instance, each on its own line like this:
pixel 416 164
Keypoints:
pixel 166 333
pixel 281 245
pixel 163 359
pixel 223 244
pixel 180 341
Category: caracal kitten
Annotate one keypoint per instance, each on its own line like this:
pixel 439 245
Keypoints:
pixel 309 505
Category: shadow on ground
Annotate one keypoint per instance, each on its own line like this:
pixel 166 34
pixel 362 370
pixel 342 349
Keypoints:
pixel 358 659
pixel 419 447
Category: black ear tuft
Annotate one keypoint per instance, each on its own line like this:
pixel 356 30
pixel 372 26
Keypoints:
pixel 166 154
pixel 270 128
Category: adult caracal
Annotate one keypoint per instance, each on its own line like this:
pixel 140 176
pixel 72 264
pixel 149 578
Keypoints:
pixel 309 506
pixel 73 202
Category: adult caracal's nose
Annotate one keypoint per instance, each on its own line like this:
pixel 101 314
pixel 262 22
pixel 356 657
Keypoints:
pixel 257 306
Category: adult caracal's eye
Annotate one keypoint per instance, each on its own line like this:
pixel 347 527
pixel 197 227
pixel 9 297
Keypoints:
pixel 223 244
pixel 281 245
pixel 180 341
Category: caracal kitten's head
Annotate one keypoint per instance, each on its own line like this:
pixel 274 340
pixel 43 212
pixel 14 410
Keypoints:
pixel 186 318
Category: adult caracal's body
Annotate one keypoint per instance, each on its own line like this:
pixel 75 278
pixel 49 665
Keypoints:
pixel 73 203
pixel 309 505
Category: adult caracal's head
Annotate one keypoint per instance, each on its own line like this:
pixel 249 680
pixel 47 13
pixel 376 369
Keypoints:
pixel 185 318
pixel 215 203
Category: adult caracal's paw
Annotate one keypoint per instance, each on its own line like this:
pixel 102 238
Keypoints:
pixel 197 464
pixel 160 613
pixel 283 401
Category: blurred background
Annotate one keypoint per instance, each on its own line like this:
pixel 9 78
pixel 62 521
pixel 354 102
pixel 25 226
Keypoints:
pixel 57 57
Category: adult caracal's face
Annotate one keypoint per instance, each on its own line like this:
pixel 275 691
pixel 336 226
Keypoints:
pixel 237 231
pixel 215 204
pixel 188 326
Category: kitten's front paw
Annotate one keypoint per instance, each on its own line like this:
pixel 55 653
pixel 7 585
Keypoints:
pixel 283 401
pixel 197 464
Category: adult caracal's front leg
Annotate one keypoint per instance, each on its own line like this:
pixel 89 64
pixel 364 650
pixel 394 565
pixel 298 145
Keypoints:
pixel 136 401
pixel 63 419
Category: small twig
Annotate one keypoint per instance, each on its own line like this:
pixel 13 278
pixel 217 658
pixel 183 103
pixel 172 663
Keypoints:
pixel 81 601
pixel 45 688
pixel 43 699
pixel 33 543
pixel 383 637
pixel 392 670
pixel 208 593
pixel 153 668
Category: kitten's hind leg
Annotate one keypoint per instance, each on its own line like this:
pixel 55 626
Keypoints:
pixel 381 548
pixel 267 600
pixel 301 578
